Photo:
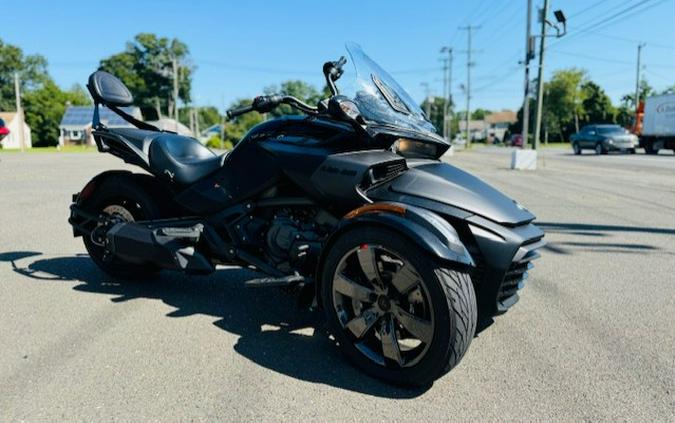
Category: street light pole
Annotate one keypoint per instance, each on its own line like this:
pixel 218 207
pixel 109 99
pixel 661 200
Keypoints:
pixel 468 29
pixel 528 56
pixel 540 77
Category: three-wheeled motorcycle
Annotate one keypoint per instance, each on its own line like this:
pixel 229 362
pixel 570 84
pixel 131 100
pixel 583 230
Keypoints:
pixel 349 201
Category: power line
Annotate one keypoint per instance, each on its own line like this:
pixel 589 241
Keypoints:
pixel 608 60
pixel 632 40
pixel 612 19
pixel 586 9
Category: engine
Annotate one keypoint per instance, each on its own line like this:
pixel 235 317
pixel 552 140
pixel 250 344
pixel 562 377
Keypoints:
pixel 292 238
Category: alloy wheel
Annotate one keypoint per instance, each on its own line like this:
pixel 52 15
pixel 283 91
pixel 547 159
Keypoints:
pixel 383 305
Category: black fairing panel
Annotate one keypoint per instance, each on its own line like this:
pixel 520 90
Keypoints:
pixel 291 147
pixel 444 183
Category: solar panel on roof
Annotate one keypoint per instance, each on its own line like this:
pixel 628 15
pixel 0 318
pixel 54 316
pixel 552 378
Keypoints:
pixel 83 115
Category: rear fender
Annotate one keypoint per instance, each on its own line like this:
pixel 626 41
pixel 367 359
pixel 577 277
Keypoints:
pixel 150 184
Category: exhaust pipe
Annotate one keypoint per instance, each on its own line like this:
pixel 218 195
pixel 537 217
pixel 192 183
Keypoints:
pixel 168 248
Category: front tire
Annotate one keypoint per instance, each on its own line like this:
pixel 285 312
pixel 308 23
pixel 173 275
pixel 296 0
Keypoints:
pixel 398 314
pixel 576 148
pixel 124 197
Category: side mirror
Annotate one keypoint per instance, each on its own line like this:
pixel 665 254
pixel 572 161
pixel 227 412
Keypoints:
pixel 106 89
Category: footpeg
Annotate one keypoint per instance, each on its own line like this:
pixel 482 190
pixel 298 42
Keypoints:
pixel 289 280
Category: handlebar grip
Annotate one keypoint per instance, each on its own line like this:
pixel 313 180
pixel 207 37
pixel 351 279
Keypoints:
pixel 340 63
pixel 239 111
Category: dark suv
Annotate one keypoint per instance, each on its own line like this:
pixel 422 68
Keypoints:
pixel 603 138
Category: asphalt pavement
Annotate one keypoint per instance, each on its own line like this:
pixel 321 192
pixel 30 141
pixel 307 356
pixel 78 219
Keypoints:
pixel 592 338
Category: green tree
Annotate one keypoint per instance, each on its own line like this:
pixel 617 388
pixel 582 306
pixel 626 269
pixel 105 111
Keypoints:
pixel 236 128
pixel 32 71
pixel 646 90
pixel 625 113
pixel 479 114
pixel 146 68
pixel 596 104
pixel 563 102
pixel 44 107
pixel 207 116
pixel 435 108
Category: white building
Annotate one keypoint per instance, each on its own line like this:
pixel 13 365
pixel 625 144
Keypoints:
pixel 12 139
pixel 75 126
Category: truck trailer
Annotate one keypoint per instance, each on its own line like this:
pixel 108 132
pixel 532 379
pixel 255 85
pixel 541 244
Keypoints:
pixel 655 123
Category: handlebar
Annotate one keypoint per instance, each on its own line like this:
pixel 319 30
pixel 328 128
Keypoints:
pixel 232 113
pixel 267 103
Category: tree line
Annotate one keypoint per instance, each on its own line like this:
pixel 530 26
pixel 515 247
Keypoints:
pixel 148 65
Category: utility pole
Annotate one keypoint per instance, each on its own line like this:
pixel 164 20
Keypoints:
pixel 445 94
pixel 19 111
pixel 222 124
pixel 427 97
pixel 529 54
pixel 540 77
pixel 637 78
pixel 196 113
pixel 174 62
pixel 469 64
pixel 447 89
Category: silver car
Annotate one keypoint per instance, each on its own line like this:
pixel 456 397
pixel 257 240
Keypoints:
pixel 604 138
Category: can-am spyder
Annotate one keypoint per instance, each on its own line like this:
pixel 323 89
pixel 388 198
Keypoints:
pixel 403 252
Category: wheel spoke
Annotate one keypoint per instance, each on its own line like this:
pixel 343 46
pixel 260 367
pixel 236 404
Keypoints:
pixel 352 289
pixel 359 326
pixel 390 347
pixel 368 263
pixel 419 328
pixel 405 279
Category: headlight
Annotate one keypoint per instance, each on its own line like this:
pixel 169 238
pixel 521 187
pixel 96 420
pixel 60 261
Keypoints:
pixel 611 141
pixel 415 149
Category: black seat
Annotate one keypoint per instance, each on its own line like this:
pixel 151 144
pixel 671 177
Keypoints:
pixel 181 159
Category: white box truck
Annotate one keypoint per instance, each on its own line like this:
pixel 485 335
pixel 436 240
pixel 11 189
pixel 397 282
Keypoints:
pixel 656 123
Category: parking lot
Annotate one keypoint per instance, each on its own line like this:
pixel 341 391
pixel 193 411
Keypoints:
pixel 592 338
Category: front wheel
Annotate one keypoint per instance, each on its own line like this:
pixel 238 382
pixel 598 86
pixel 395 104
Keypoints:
pixel 398 314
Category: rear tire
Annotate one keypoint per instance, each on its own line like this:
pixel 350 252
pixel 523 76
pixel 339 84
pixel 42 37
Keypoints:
pixel 576 148
pixel 451 312
pixel 122 195
pixel 649 149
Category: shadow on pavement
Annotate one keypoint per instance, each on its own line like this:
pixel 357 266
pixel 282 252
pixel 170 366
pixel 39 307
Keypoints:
pixel 599 231
pixel 596 230
pixel 274 332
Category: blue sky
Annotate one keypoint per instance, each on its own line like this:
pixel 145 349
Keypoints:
pixel 240 47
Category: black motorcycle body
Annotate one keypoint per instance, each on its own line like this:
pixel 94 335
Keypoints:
pixel 288 193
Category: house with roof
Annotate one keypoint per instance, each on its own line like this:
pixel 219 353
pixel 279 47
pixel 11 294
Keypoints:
pixel 498 123
pixel 492 128
pixel 75 126
pixel 12 133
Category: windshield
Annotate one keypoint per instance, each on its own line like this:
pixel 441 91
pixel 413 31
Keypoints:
pixel 380 99
pixel 611 130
